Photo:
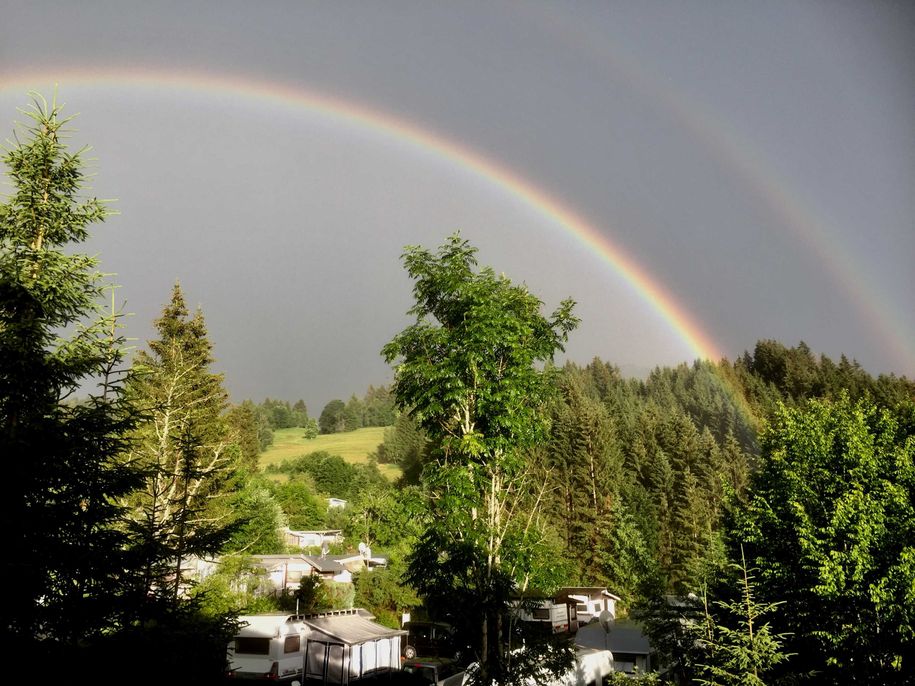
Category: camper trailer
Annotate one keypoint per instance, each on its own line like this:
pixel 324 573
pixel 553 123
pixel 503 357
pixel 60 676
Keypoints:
pixel 269 647
pixel 550 616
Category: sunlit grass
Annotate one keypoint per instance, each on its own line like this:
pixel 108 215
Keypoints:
pixel 353 446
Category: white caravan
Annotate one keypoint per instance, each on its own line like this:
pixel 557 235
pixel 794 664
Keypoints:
pixel 268 646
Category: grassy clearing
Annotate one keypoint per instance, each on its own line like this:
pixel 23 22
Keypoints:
pixel 352 446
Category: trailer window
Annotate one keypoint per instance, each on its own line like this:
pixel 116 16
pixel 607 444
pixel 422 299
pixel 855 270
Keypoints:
pixel 292 644
pixel 246 645
pixel 541 613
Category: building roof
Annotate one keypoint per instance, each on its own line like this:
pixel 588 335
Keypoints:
pixel 350 629
pixel 590 591
pixel 325 565
pixel 625 636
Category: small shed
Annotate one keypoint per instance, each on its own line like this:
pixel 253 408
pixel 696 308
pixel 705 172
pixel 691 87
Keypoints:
pixel 312 539
pixel 347 646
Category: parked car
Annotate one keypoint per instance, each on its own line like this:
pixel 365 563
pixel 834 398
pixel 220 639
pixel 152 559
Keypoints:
pixel 429 639
pixel 436 671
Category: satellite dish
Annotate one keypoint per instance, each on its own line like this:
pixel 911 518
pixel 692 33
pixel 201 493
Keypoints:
pixel 607 619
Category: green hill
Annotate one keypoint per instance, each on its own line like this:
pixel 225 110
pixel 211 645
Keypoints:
pixel 352 446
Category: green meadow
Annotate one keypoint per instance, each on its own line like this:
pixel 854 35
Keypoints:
pixel 352 446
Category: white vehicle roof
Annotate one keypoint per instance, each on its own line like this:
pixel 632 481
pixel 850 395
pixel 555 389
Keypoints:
pixel 268 626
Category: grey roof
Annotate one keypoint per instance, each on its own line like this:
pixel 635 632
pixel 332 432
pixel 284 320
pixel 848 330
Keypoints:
pixel 349 629
pixel 324 564
pixel 625 637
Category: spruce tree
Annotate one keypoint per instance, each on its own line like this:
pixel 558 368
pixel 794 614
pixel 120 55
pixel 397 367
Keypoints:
pixel 739 649
pixel 63 418
pixel 586 462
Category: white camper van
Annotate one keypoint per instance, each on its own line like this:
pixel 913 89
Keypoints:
pixel 553 617
pixel 269 647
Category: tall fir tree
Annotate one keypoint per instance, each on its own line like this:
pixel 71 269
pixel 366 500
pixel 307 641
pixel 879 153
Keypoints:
pixel 64 562
pixel 587 464
pixel 184 446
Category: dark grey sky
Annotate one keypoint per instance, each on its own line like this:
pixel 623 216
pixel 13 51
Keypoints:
pixel 756 160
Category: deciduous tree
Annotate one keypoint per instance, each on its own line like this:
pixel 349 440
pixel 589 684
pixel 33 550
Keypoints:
pixel 830 524
pixel 469 370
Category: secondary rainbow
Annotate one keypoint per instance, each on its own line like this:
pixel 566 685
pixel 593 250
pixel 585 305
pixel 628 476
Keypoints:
pixel 648 288
pixel 737 153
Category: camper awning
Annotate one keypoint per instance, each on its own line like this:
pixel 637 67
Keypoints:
pixel 349 629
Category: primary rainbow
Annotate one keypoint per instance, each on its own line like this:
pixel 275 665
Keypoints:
pixel 348 112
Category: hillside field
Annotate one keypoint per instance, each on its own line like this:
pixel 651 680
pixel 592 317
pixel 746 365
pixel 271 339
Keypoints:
pixel 352 446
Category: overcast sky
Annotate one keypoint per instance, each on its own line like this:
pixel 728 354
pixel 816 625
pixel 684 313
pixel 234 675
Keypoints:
pixel 756 161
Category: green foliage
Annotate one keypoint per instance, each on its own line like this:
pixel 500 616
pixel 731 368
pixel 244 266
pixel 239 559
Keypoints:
pixel 830 525
pixel 622 679
pixel 353 414
pixel 243 423
pixel 775 373
pixel 674 626
pixel 184 446
pixel 378 407
pixel 236 587
pixel 585 461
pixel 333 417
pixel 385 593
pixel 386 517
pixel 739 649
pixel 302 507
pixel 340 595
pixel 331 474
pixel 312 595
pixel 280 414
pixel 405 445
pixel 468 371
pixel 64 561
pixel 261 516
